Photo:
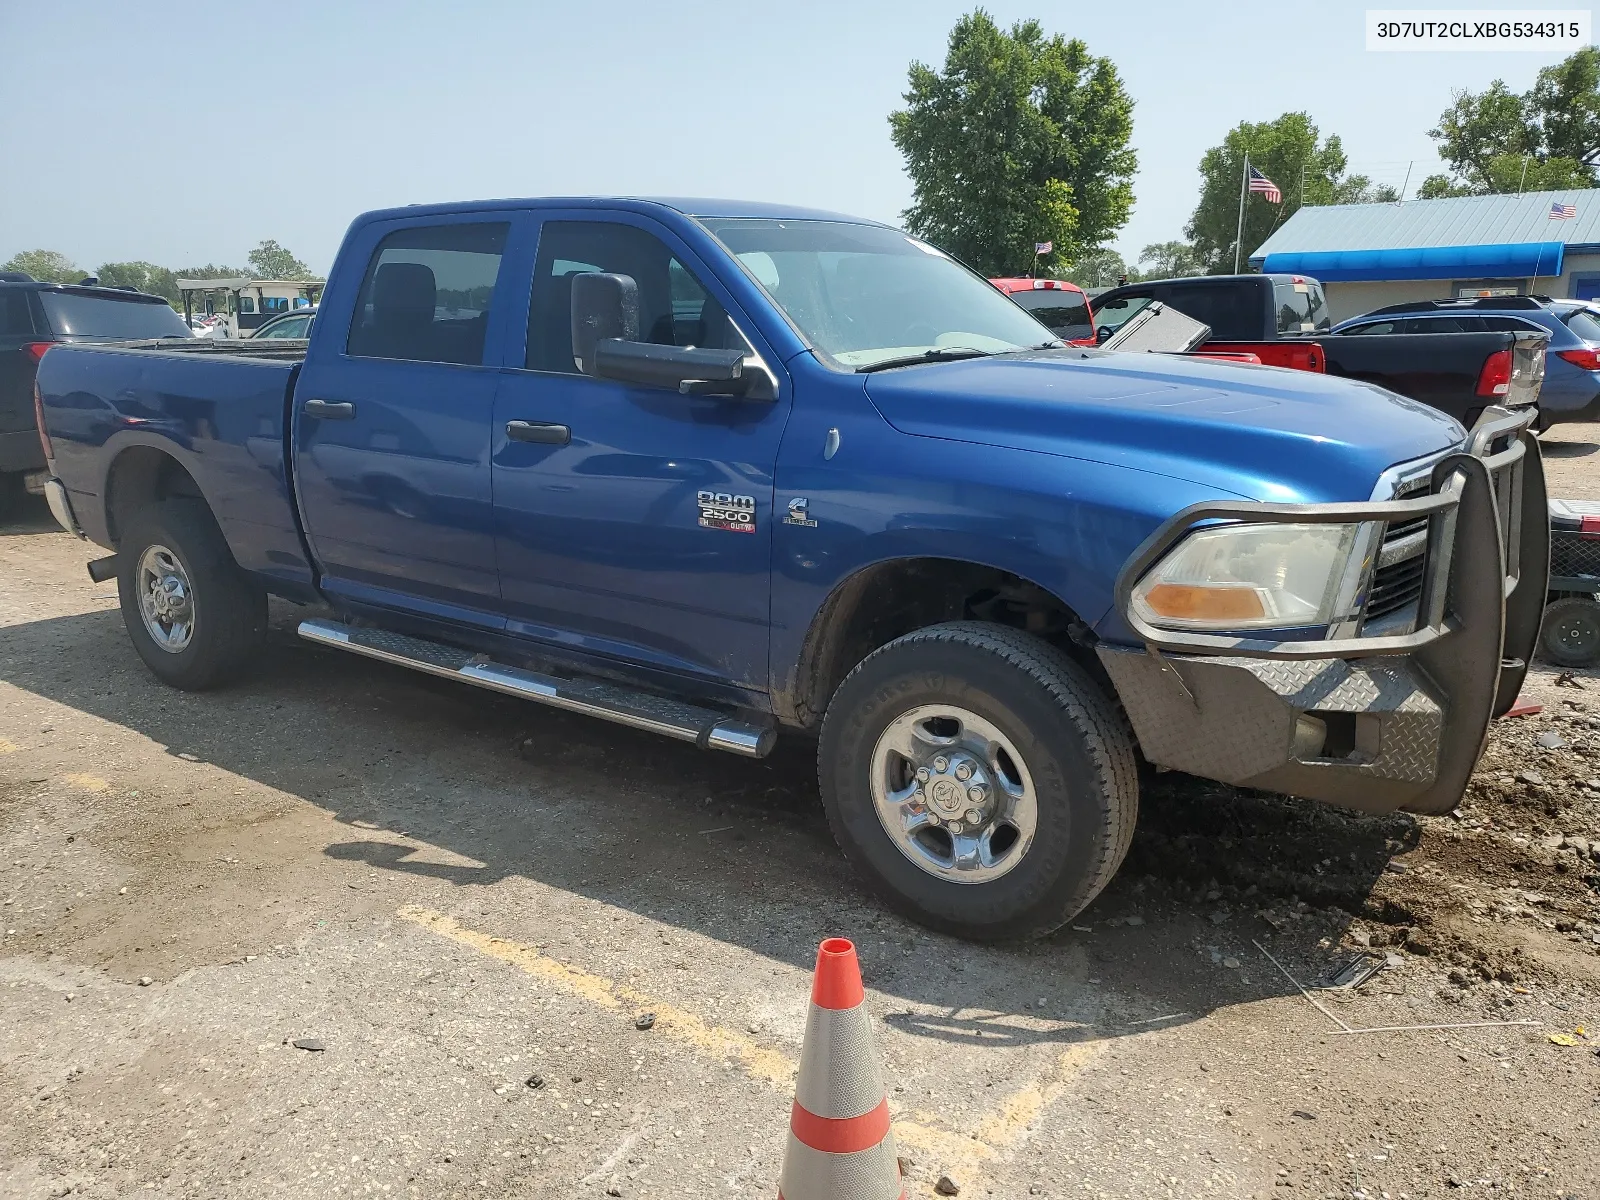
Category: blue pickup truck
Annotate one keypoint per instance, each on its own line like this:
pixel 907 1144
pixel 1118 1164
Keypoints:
pixel 722 470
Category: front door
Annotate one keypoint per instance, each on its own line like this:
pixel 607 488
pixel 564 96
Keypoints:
pixel 391 429
pixel 638 526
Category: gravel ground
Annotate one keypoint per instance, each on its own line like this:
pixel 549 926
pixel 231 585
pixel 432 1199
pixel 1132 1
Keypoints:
pixel 467 902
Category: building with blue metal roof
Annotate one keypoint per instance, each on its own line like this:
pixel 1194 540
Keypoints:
pixel 1369 255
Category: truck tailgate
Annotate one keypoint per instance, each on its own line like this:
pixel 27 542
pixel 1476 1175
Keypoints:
pixel 219 413
pixel 1442 370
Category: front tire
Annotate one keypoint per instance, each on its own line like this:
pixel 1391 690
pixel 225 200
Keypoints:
pixel 982 782
pixel 194 617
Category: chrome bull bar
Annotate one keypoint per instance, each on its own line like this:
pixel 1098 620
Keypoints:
pixel 1505 473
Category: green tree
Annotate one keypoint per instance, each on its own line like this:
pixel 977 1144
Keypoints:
pixel 271 261
pixel 47 266
pixel 1169 260
pixel 147 277
pixel 1290 151
pixel 1022 138
pixel 1096 269
pixel 1544 139
pixel 212 271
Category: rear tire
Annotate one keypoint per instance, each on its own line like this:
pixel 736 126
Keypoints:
pixel 193 616
pixel 972 709
pixel 1570 633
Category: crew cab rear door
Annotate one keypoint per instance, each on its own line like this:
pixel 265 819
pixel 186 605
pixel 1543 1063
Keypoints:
pixel 633 522
pixel 392 417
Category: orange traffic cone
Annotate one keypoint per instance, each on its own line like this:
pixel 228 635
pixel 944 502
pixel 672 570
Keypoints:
pixel 840 1147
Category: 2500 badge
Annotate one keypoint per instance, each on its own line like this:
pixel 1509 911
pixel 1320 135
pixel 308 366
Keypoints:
pixel 721 510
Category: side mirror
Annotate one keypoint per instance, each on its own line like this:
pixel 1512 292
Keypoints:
pixel 606 345
pixel 603 306
pixel 1102 333
pixel 686 370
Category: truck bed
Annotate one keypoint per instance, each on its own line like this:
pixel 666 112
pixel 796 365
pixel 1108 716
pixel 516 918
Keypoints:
pixel 1439 369
pixel 219 408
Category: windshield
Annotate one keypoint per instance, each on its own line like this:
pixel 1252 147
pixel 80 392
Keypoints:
pixel 76 315
pixel 1064 313
pixel 1112 315
pixel 865 295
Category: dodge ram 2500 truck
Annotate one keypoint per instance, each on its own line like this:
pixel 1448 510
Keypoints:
pixel 723 470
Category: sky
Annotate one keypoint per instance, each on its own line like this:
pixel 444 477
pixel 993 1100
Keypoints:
pixel 186 134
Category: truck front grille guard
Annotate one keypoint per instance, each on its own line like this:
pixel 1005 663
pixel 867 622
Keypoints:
pixel 1502 472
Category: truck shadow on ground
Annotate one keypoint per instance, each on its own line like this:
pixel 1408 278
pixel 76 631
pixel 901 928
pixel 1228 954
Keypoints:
pixel 730 849
pixel 25 514
pixel 1559 449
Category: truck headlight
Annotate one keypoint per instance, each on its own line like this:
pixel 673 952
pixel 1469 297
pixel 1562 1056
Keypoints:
pixel 1251 577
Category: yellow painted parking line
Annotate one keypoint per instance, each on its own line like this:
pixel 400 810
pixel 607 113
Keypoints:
pixel 1024 1108
pixel 89 783
pixel 761 1062
pixel 920 1132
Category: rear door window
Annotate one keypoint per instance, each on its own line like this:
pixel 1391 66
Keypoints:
pixel 425 297
pixel 1511 325
pixel 84 316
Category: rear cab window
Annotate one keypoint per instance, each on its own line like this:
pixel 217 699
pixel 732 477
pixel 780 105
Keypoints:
pixel 87 316
pixel 425 296
pixel 1301 306
pixel 1065 313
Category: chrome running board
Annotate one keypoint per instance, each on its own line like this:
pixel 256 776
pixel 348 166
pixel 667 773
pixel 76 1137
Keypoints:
pixel 705 727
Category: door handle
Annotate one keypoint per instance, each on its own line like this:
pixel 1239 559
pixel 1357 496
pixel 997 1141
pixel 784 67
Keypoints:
pixel 538 431
pixel 330 410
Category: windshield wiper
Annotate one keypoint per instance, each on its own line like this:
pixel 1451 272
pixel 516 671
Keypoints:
pixel 941 354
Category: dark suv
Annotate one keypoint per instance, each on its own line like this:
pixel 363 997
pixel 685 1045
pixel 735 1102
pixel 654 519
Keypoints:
pixel 35 316
pixel 1571 390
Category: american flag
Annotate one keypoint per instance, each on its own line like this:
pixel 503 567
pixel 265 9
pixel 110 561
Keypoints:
pixel 1043 247
pixel 1260 183
pixel 1563 212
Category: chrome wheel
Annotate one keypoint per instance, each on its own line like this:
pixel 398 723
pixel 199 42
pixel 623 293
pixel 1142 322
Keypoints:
pixel 953 794
pixel 166 600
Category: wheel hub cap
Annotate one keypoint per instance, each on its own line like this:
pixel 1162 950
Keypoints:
pixel 165 602
pixel 953 794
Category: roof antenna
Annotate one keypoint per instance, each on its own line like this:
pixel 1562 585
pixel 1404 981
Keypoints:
pixel 1406 184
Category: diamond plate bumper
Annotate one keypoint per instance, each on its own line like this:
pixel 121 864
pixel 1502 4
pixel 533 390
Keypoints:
pixel 1375 724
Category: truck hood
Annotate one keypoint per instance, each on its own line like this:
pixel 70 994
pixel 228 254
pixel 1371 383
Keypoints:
pixel 1263 433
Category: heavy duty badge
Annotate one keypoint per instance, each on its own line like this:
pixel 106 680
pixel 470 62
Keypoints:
pixel 719 510
pixel 800 513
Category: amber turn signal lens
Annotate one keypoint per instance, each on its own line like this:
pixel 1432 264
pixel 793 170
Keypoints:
pixel 1214 603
